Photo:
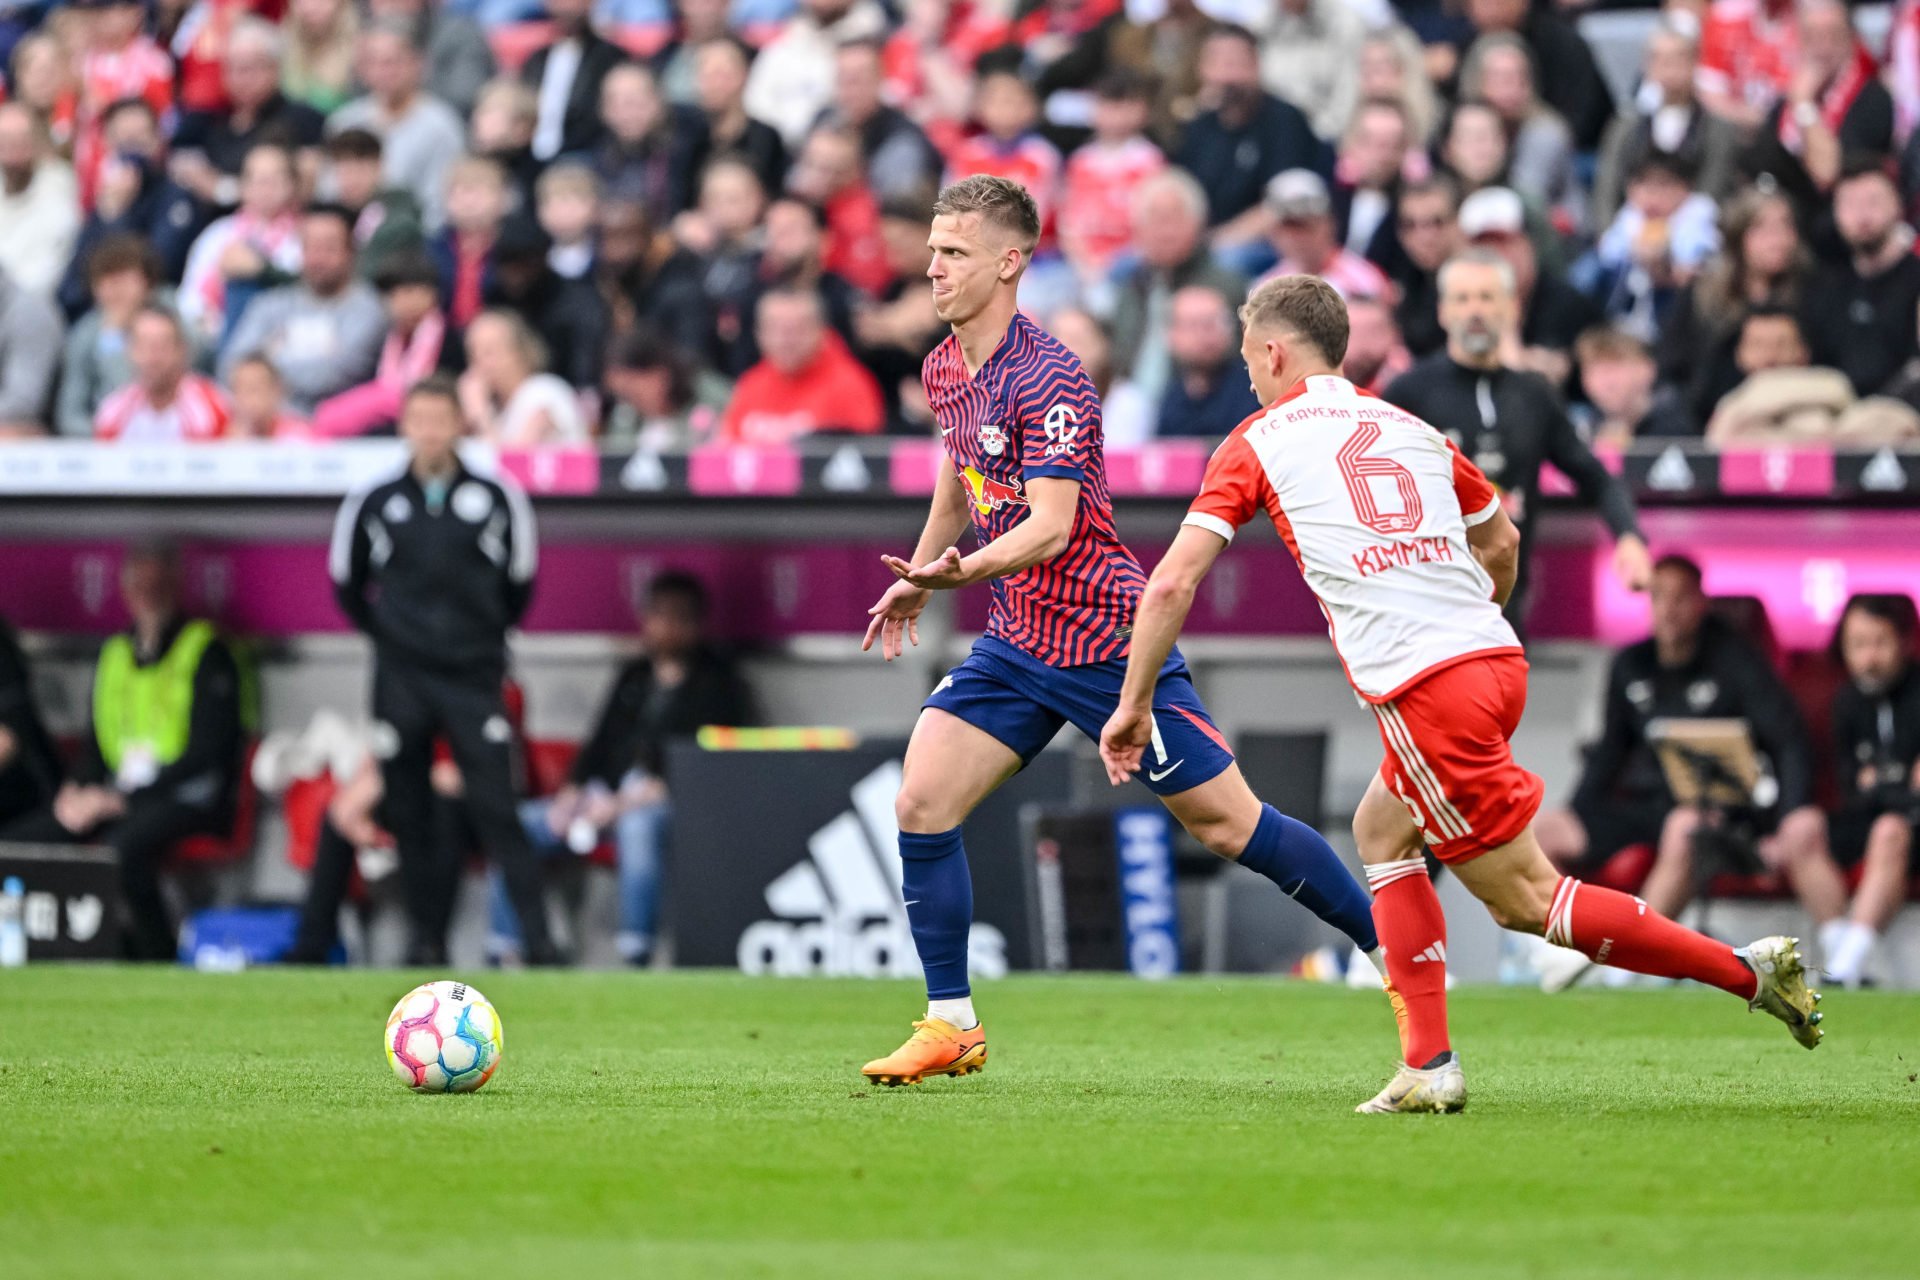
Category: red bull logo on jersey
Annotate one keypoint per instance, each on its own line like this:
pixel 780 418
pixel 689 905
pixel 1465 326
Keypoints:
pixel 989 494
pixel 993 439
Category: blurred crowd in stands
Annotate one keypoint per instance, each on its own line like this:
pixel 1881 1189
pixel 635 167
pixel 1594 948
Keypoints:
pixel 657 224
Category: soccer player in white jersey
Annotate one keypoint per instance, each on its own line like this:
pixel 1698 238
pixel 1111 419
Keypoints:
pixel 1407 546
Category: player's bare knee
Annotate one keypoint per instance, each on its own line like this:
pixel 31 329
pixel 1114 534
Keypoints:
pixel 916 811
pixel 1521 906
pixel 1508 917
pixel 1370 834
pixel 1224 836
pixel 1381 835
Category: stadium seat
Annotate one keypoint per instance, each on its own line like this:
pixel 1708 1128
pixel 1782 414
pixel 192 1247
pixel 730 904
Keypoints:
pixel 1763 885
pixel 514 42
pixel 1813 679
pixel 303 807
pixel 641 39
pixel 1748 616
pixel 237 844
pixel 1626 870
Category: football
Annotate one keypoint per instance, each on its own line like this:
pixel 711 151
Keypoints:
pixel 443 1037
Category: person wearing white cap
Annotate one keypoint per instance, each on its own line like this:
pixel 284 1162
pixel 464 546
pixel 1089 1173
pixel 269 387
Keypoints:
pixel 1552 313
pixel 1304 237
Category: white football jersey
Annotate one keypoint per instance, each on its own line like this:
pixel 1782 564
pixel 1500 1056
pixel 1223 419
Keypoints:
pixel 1375 506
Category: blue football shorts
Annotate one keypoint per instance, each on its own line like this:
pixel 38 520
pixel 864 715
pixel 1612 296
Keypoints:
pixel 1020 700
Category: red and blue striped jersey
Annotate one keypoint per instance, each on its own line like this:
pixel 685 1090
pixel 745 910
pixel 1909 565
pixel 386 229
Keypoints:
pixel 1032 412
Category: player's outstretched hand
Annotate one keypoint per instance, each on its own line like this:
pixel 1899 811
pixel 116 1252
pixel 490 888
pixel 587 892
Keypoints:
pixel 895 620
pixel 943 574
pixel 1123 742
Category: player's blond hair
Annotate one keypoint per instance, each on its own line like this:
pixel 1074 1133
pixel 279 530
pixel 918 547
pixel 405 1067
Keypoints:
pixel 1304 305
pixel 1000 201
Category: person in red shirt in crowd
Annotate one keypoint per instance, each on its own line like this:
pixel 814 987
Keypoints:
pixel 1096 210
pixel 1747 53
pixel 121 61
pixel 1303 233
pixel 165 403
pixel 831 175
pixel 1007 145
pixel 807 380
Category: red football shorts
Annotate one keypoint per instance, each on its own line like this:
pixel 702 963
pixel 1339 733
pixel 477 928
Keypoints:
pixel 1449 758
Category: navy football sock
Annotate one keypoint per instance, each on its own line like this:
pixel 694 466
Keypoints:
pixel 939 894
pixel 1298 859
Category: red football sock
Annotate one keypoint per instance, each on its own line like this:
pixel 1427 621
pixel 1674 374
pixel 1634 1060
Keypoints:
pixel 1617 929
pixel 1413 931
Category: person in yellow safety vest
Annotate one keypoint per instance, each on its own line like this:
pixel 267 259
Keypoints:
pixel 162 756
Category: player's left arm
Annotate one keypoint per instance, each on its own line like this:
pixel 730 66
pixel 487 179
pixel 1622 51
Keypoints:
pixel 1632 563
pixel 1491 534
pixel 1056 423
pixel 1052 503
pixel 1163 610
pixel 1495 542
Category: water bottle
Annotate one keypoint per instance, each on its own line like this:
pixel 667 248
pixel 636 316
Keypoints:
pixel 13 929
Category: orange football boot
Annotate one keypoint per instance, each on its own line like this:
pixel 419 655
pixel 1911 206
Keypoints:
pixel 936 1048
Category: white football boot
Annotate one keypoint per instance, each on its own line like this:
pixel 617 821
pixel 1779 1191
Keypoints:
pixel 1782 991
pixel 1434 1089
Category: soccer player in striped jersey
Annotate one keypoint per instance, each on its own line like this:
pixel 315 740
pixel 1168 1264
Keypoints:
pixel 1412 555
pixel 1020 422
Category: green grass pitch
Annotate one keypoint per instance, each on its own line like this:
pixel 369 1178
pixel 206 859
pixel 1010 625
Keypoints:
pixel 162 1123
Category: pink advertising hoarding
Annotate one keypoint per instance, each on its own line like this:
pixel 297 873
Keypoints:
pixel 1803 564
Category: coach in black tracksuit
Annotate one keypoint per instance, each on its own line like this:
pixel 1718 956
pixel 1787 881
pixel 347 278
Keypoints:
pixel 1508 421
pixel 1709 671
pixel 434 566
pixel 1695 666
